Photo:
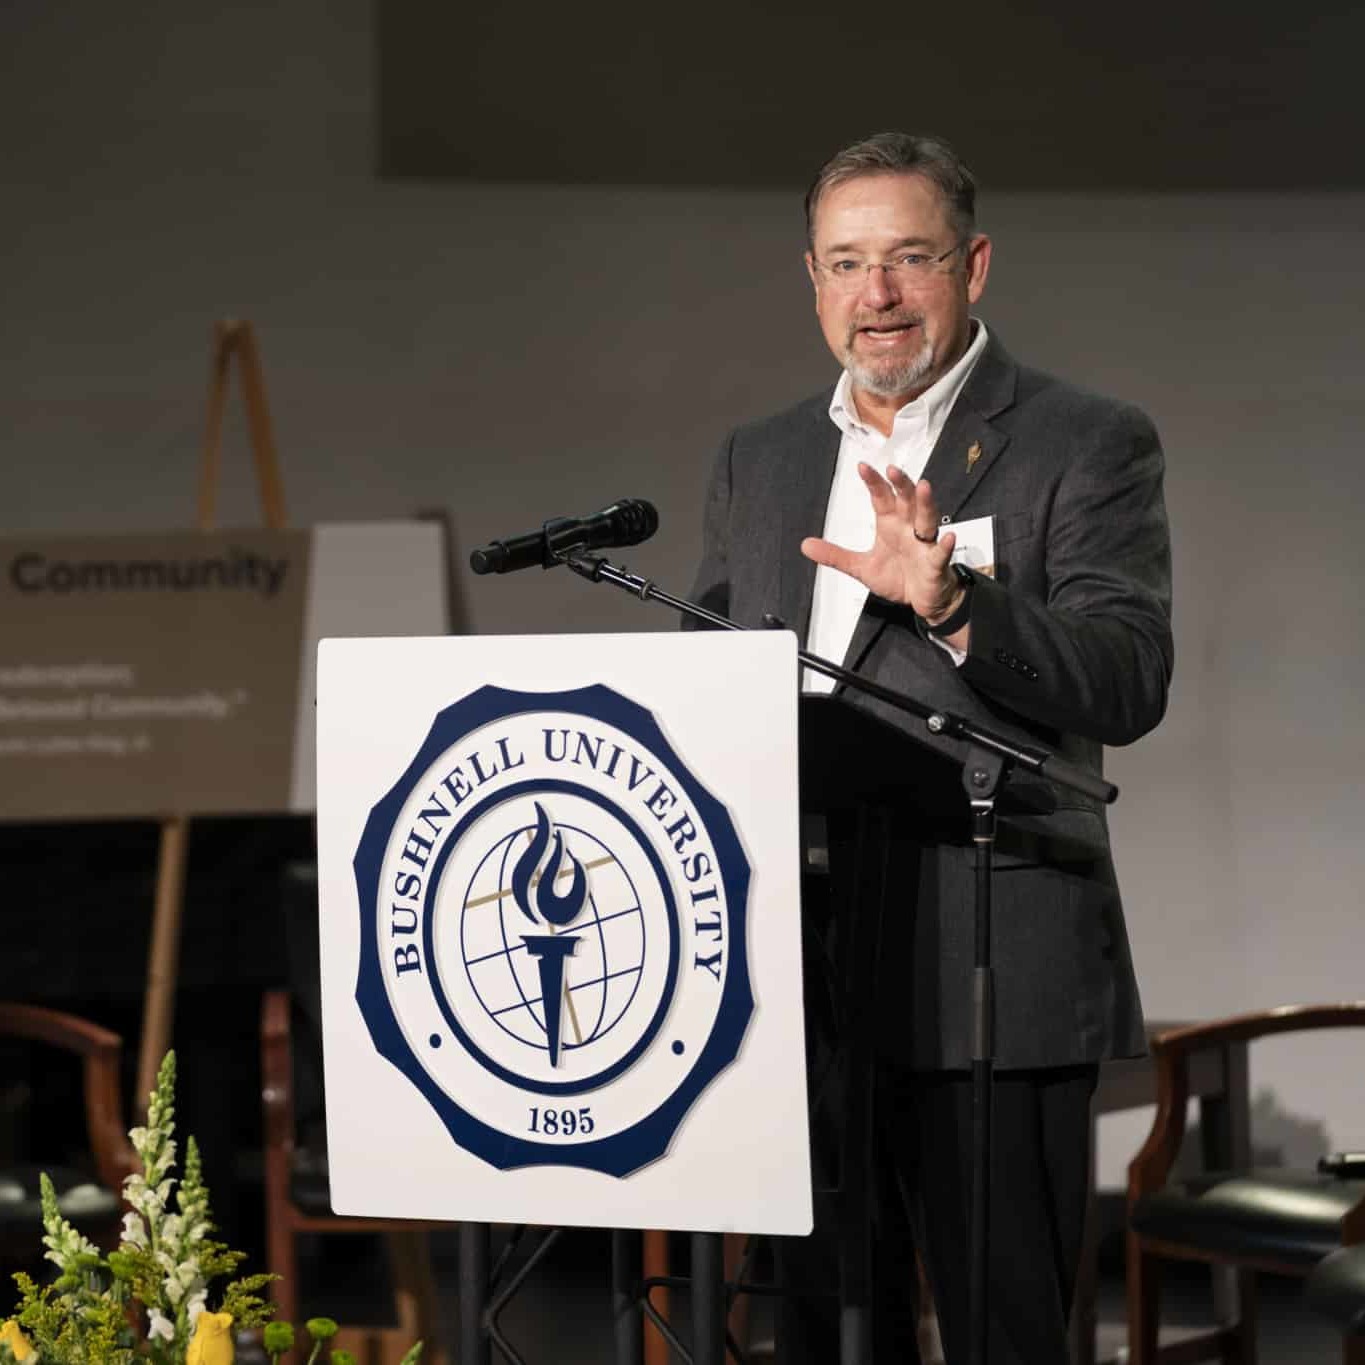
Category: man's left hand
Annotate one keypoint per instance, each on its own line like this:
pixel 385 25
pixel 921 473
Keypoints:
pixel 908 562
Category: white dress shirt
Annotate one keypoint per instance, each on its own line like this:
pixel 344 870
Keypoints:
pixel 849 520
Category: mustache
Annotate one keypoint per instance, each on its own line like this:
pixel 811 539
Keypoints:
pixel 892 318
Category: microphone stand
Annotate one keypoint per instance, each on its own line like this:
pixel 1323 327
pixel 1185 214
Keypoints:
pixel 1035 759
pixel 989 758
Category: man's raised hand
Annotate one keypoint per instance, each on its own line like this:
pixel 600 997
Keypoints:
pixel 908 562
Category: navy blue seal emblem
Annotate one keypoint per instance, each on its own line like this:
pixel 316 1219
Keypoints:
pixel 552 929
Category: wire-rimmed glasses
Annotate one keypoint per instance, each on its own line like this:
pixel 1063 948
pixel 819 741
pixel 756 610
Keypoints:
pixel 910 269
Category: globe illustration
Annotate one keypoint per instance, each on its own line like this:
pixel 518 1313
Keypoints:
pixel 602 976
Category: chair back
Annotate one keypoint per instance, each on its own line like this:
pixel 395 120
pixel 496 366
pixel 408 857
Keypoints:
pixel 101 1053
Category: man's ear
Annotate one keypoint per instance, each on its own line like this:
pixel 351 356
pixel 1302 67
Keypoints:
pixel 814 277
pixel 978 266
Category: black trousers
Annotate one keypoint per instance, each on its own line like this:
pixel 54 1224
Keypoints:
pixel 922 1140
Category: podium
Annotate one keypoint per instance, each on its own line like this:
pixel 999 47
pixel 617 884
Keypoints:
pixel 871 799
pixel 469 787
pixel 634 794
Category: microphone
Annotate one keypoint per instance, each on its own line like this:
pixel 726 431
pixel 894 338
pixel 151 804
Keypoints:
pixel 626 522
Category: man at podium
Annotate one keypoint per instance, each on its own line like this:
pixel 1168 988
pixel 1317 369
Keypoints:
pixel 993 541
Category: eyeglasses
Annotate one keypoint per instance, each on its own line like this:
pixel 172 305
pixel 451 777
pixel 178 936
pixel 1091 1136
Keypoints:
pixel 911 271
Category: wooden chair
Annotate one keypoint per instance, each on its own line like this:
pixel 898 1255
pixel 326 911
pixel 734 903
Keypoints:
pixel 95 1207
pixel 1270 1219
pixel 297 1203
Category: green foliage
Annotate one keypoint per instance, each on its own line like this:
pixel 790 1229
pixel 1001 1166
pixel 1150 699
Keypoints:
pixel 164 1264
pixel 73 1325
pixel 278 1338
pixel 242 1298
pixel 141 1302
pixel 321 1330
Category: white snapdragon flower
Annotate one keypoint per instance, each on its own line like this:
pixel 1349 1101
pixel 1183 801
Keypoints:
pixel 63 1242
pixel 135 1193
pixel 182 1281
pixel 159 1326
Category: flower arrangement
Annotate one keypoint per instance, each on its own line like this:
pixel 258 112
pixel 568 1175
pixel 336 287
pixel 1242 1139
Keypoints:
pixel 148 1300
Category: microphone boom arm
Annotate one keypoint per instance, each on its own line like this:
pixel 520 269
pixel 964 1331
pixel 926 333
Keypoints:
pixel 1042 761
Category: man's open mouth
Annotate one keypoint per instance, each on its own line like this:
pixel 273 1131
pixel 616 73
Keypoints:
pixel 888 331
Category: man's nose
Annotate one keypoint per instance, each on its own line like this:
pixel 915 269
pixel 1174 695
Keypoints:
pixel 879 289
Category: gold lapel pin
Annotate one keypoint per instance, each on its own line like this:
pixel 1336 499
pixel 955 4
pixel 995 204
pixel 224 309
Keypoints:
pixel 973 455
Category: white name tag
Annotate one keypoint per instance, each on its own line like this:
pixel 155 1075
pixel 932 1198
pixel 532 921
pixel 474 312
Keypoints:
pixel 975 544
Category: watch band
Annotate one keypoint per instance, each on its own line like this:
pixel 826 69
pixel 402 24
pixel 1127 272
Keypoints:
pixel 960 614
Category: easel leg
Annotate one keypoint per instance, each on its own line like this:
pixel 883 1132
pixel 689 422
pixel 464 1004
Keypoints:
pixel 415 1293
pixel 163 958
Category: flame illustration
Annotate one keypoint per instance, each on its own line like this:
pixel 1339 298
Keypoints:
pixel 553 908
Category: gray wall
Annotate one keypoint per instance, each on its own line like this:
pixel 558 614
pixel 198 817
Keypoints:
pixel 516 352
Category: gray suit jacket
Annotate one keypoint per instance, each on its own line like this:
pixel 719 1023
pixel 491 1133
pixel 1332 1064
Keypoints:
pixel 1070 645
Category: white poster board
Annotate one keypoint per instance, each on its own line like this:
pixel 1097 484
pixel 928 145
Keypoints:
pixel 608 823
pixel 148 674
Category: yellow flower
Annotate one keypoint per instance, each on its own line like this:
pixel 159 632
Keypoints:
pixel 212 1340
pixel 13 1337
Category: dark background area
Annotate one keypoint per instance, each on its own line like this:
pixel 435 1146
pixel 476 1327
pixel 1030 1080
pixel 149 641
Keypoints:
pixel 1070 96
pixel 76 909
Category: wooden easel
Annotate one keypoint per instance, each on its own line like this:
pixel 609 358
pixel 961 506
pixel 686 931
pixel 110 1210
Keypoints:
pixel 414 1289
pixel 231 339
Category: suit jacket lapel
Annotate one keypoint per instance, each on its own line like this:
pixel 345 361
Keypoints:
pixel 969 445
pixel 803 514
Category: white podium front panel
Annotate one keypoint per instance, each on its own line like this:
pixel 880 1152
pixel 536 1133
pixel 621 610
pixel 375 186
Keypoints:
pixel 560 930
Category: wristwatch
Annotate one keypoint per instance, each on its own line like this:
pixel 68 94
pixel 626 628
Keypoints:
pixel 962 613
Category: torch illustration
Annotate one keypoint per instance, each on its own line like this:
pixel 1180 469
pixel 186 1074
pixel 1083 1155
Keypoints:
pixel 550 950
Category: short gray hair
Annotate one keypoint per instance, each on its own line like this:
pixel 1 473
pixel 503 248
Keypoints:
pixel 901 154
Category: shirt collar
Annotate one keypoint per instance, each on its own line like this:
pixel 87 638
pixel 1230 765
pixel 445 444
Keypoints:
pixel 930 410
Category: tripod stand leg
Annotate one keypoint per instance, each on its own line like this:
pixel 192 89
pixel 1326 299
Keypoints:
pixel 474 1345
pixel 855 1334
pixel 870 887
pixel 981 775
pixel 855 1249
pixel 627 1264
pixel 708 1299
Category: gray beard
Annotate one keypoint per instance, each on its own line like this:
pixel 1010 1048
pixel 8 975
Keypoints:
pixel 891 381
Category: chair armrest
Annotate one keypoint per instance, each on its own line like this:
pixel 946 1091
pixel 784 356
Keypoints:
pixel 101 1052
pixel 1150 1168
pixel 1246 1028
pixel 277 1072
pixel 1171 1051
pixel 115 1158
pixel 66 1031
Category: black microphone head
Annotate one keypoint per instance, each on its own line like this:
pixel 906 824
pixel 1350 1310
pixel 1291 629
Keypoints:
pixel 633 520
pixel 488 558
